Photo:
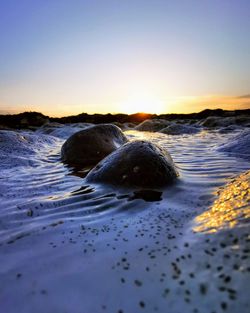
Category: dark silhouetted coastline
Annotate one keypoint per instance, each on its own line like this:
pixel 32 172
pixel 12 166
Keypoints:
pixel 32 120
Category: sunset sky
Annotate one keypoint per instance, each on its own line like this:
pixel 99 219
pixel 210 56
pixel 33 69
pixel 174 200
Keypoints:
pixel 63 57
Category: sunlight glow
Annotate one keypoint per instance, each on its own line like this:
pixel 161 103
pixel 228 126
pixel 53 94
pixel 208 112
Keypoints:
pixel 143 103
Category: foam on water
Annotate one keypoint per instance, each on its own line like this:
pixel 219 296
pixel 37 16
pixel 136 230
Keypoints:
pixel 71 247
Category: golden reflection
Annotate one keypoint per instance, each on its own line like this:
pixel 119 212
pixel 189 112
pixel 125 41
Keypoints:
pixel 230 209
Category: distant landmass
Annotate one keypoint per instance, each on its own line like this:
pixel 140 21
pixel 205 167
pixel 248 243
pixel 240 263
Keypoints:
pixel 36 119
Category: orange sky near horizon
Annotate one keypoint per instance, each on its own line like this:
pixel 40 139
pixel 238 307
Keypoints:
pixel 189 104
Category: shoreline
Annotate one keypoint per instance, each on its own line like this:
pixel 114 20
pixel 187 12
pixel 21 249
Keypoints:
pixel 35 119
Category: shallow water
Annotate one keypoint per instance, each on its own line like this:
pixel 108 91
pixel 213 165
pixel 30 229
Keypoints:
pixel 71 247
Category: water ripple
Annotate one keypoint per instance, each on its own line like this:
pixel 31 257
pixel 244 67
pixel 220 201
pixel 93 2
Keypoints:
pixel 33 197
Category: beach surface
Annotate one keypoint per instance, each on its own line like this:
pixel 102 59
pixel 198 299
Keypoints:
pixel 69 246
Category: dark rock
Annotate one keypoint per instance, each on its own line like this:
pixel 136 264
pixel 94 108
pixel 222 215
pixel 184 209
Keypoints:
pixel 153 125
pixel 129 125
pixel 215 121
pixel 49 128
pixel 179 129
pixel 90 145
pixel 229 129
pixel 61 130
pixel 124 126
pixel 136 164
pixel 243 120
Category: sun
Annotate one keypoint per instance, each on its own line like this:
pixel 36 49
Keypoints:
pixel 142 104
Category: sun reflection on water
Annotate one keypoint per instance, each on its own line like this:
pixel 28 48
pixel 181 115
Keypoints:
pixel 230 209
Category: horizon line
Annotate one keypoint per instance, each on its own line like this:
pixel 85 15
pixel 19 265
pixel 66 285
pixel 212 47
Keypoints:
pixel 120 113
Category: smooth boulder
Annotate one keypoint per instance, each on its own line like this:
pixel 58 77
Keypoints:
pixel 136 164
pixel 179 129
pixel 216 121
pixel 153 125
pixel 90 145
pixel 63 131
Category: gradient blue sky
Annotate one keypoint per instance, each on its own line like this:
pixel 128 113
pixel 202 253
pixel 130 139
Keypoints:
pixel 65 57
